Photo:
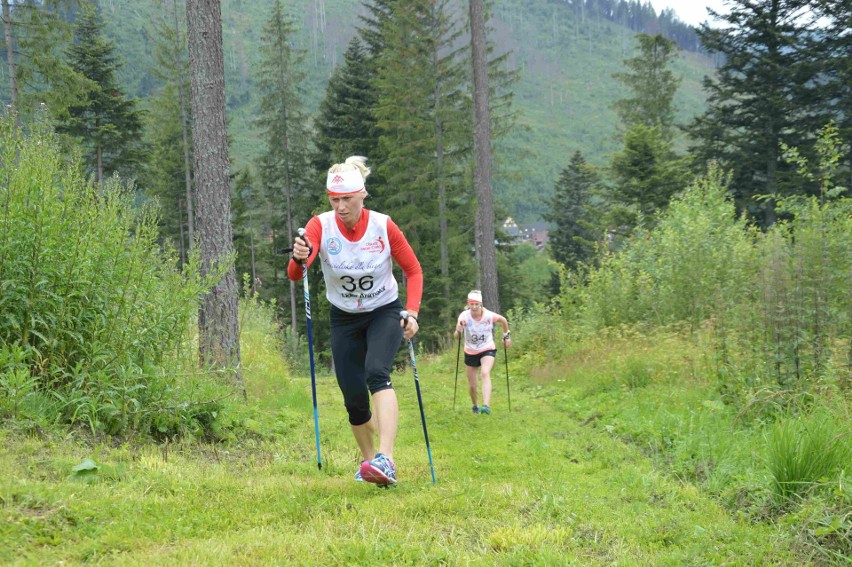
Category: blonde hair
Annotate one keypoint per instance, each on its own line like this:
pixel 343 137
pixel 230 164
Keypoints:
pixel 352 162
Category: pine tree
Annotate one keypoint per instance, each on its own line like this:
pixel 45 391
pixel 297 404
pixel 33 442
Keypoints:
pixel 218 324
pixel 646 172
pixel 169 168
pixel 106 121
pixel 345 125
pixel 572 240
pixel 482 151
pixel 831 56
pixel 252 247
pixel 37 32
pixel 284 164
pixel 652 83
pixel 761 96
pixel 423 125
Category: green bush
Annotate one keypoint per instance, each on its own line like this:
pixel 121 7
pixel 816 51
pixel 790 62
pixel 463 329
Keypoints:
pixel 692 265
pixel 93 310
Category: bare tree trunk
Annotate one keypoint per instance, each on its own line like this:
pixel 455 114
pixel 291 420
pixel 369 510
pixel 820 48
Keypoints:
pixel 180 231
pixel 482 149
pixel 100 169
pixel 253 267
pixel 218 324
pixel 442 189
pixel 10 53
pixel 290 231
pixel 187 165
pixel 292 283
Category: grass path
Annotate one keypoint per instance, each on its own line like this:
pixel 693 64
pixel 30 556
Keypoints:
pixel 531 487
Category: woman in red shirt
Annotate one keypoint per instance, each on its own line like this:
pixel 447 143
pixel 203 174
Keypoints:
pixel 357 248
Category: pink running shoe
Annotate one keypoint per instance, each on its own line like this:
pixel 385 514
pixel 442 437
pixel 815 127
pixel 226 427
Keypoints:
pixel 380 470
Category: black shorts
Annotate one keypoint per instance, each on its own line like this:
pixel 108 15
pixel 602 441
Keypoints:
pixel 475 360
pixel 364 346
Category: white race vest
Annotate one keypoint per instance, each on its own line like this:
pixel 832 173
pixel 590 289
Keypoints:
pixel 358 275
pixel 478 335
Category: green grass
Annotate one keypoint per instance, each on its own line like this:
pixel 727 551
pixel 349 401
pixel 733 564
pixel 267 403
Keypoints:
pixel 537 486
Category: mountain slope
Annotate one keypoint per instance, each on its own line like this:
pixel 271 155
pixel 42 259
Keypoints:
pixel 566 57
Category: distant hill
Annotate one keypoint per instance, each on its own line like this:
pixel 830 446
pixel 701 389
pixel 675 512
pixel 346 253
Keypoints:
pixel 566 54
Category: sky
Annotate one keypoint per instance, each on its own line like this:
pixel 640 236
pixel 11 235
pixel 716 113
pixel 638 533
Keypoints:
pixel 691 12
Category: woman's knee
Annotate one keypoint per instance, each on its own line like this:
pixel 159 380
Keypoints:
pixel 359 410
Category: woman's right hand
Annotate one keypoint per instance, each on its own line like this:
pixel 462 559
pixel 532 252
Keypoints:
pixel 301 248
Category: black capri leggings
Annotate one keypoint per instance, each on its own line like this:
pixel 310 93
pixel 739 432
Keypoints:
pixel 363 346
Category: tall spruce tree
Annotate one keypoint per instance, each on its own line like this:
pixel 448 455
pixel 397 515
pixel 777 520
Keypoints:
pixel 652 84
pixel 646 172
pixel 248 206
pixel 106 121
pixel 36 33
pixel 345 126
pixel 284 164
pixel 218 324
pixel 169 175
pixel 831 56
pixel 483 157
pixel 761 96
pixel 422 135
pixel 572 240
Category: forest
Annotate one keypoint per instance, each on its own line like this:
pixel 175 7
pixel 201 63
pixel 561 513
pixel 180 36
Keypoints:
pixel 684 335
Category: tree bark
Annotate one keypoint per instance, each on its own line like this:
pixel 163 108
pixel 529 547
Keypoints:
pixel 187 166
pixel 482 149
pixel 442 189
pixel 218 324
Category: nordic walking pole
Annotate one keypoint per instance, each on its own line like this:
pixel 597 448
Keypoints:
pixel 311 351
pixel 506 357
pixel 404 315
pixel 456 385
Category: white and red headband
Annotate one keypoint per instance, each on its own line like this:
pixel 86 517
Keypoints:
pixel 474 296
pixel 344 183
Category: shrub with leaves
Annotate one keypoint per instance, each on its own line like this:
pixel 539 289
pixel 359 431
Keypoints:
pixel 693 264
pixel 86 292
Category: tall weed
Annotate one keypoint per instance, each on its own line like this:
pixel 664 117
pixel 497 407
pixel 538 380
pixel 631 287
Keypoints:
pixel 804 452
pixel 85 290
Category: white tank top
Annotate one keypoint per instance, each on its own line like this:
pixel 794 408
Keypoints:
pixel 358 275
pixel 478 335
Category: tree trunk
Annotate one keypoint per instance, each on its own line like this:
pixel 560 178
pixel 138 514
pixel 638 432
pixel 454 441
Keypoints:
pixel 99 156
pixel 442 189
pixel 10 53
pixel 290 231
pixel 187 166
pixel 482 150
pixel 218 326
pixel 180 231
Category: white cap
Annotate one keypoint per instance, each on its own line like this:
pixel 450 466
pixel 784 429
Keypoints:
pixel 474 296
pixel 344 182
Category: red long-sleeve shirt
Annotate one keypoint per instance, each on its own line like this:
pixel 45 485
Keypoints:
pixel 401 252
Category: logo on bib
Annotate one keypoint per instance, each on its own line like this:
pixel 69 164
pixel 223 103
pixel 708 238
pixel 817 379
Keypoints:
pixel 375 247
pixel 333 245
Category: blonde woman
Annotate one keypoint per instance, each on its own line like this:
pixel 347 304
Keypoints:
pixel 357 248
